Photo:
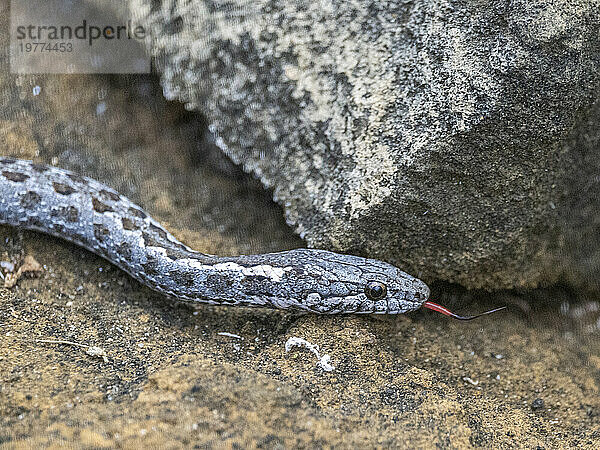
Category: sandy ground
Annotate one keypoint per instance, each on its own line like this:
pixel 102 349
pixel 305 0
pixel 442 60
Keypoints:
pixel 173 376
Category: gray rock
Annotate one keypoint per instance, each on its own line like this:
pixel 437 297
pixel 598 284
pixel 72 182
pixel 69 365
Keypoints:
pixel 456 139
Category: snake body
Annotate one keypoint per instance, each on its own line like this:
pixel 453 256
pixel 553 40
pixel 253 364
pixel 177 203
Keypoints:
pixel 88 213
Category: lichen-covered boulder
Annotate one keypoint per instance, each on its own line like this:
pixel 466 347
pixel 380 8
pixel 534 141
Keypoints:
pixel 456 139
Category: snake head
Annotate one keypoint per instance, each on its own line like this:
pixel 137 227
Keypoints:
pixel 331 283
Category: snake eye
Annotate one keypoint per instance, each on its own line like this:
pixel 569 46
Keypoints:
pixel 375 290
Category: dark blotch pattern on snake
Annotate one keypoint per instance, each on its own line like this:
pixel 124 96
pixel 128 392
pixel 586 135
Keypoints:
pixel 90 214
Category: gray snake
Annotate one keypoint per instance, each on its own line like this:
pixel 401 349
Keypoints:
pixel 90 214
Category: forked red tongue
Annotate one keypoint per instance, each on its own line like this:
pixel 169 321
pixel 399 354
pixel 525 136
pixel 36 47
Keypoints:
pixel 447 312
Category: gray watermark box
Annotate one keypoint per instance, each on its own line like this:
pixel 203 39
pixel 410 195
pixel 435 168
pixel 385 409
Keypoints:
pixel 75 36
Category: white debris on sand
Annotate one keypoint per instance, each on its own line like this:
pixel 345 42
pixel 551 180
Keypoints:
pixel 324 361
pixel 231 335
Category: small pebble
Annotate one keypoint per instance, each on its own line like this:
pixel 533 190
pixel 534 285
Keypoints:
pixel 538 403
pixel 7 265
pixel 100 108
